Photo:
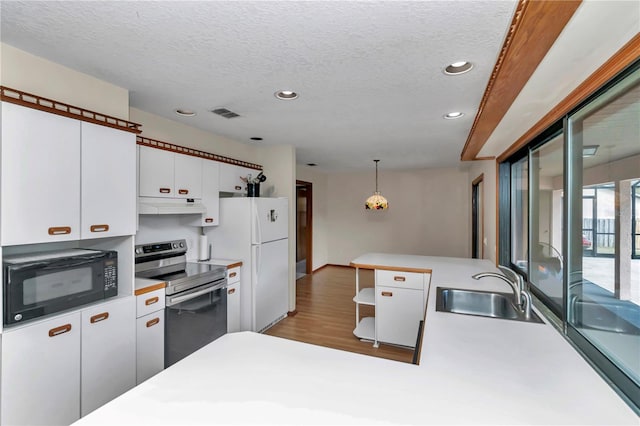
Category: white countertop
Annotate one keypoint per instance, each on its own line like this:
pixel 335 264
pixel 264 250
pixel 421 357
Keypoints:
pixel 473 370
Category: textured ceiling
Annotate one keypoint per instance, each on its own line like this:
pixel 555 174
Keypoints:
pixel 369 74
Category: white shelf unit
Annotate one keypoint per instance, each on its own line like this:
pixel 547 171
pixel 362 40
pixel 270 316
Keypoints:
pixel 365 327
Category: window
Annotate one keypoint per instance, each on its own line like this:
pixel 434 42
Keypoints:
pixel 570 222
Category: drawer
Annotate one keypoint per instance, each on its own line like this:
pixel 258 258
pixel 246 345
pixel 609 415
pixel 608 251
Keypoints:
pixel 414 280
pixel 233 275
pixel 149 302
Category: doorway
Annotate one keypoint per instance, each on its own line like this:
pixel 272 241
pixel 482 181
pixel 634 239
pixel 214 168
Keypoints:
pixel 477 214
pixel 304 227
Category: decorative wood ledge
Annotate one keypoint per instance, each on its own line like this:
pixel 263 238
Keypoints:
pixel 194 152
pixel 30 100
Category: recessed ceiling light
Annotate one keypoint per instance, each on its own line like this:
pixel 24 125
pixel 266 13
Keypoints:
pixel 185 112
pixel 286 95
pixel 311 164
pixel 589 150
pixel 255 138
pixel 458 68
pixel 453 115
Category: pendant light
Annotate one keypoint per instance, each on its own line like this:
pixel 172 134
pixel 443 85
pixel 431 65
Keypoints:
pixel 376 201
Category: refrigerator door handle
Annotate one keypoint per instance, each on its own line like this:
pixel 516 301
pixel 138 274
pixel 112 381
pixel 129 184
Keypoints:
pixel 255 271
pixel 257 227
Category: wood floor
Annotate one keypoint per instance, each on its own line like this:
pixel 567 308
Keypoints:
pixel 326 314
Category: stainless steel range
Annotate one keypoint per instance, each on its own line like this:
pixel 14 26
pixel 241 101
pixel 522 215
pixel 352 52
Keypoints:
pixel 196 297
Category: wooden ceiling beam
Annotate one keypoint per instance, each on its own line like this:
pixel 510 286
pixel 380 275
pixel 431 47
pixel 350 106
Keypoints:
pixel 534 28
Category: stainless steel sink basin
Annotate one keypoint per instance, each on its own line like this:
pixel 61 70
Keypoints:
pixel 480 303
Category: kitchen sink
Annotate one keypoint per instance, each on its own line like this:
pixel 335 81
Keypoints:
pixel 480 303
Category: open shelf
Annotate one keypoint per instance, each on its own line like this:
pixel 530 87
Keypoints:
pixel 366 328
pixel 366 296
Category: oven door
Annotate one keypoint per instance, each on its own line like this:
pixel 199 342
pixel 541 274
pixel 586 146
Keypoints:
pixel 34 289
pixel 193 319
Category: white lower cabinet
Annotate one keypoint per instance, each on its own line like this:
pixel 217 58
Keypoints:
pixel 55 371
pixel 233 307
pixel 149 345
pixel 398 314
pixel 41 373
pixel 108 352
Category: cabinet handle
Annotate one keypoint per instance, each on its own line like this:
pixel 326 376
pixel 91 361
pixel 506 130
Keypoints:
pixel 399 278
pixel 387 294
pixel 208 220
pixel 153 322
pixel 59 230
pixel 233 274
pixel 99 317
pixel 183 191
pixel 59 330
pixel 99 228
pixel 231 291
pixel 238 187
pixel 151 301
pixel 165 190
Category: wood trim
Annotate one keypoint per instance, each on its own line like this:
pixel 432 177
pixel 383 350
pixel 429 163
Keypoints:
pixel 234 265
pixel 534 28
pixel 309 198
pixel 292 313
pixel 149 289
pixel 474 183
pixel 30 100
pixel 478 179
pixel 390 268
pixel 167 146
pixel 624 57
pixel 497 236
pixel 484 158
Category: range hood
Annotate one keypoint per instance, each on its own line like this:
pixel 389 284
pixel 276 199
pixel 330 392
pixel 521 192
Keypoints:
pixel 167 206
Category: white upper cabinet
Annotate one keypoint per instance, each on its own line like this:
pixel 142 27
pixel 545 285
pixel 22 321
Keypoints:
pixel 156 173
pixel 108 176
pixel 166 174
pixel 210 194
pixel 188 176
pixel 230 178
pixel 40 190
pixel 63 179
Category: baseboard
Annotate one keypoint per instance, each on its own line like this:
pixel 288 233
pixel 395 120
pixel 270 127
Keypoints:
pixel 332 264
pixel 292 313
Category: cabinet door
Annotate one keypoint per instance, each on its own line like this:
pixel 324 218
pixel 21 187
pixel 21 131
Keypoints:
pixel 230 178
pixel 188 176
pixel 108 352
pixel 41 373
pixel 210 194
pixel 149 345
pixel 233 307
pixel 155 170
pixel 398 314
pixel 40 176
pixel 108 176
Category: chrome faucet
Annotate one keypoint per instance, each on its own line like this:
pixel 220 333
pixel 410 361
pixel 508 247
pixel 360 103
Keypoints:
pixel 514 281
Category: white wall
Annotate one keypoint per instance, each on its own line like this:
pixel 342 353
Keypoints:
pixel 22 71
pixel 429 214
pixel 320 231
pixel 488 168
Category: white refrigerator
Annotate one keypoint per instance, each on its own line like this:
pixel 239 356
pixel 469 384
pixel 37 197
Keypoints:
pixel 256 231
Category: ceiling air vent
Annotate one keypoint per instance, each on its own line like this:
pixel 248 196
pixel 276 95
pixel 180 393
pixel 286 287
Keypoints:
pixel 225 113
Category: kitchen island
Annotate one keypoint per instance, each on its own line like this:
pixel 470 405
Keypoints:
pixel 473 370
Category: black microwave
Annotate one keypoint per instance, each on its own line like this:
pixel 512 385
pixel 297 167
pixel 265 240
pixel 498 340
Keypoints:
pixel 44 283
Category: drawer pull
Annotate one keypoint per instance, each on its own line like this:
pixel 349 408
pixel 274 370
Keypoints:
pixel 208 220
pixel 59 230
pixel 151 301
pixel 231 291
pixel 59 330
pixel 99 228
pixel 153 322
pixel 399 278
pixel 165 190
pixel 183 191
pixel 233 274
pixel 238 187
pixel 387 294
pixel 100 317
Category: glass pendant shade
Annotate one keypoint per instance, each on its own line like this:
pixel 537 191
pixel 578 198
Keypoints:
pixel 376 201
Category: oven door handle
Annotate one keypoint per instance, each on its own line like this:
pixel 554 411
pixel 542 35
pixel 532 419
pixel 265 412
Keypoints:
pixel 171 301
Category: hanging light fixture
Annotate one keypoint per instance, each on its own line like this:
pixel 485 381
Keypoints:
pixel 376 201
